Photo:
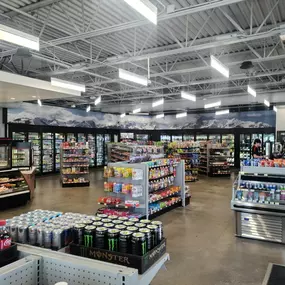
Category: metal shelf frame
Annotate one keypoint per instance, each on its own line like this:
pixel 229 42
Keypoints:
pixel 38 266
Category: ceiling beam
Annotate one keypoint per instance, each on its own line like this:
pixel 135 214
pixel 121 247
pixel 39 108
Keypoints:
pixel 32 7
pixel 135 24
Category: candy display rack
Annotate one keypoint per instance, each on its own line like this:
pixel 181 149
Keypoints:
pixel 144 189
pixel 74 164
pixel 258 200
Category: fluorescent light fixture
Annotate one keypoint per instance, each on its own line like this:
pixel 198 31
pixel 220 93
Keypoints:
pixel 130 76
pixel 181 115
pixel 158 102
pixel 275 109
pixel 144 7
pixel 266 103
pixel 222 112
pixel 88 109
pixel 213 105
pixel 136 110
pixel 159 116
pixel 215 63
pixel 97 101
pixel 39 102
pixel 188 96
pixel 67 84
pixel 123 115
pixel 251 91
pixel 13 36
pixel 73 106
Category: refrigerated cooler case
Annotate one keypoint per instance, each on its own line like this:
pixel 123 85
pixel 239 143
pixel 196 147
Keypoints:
pixel 48 152
pixel 81 137
pixel 35 140
pixel 107 139
pixel 100 150
pixel 92 148
pixel 215 138
pixel 200 138
pixel 177 138
pixel 165 138
pixel 21 154
pixel 245 147
pixel 142 137
pixel 5 155
pixel 70 137
pixel 188 137
pixel 19 136
pixel 229 140
pixel 59 139
pixel 258 200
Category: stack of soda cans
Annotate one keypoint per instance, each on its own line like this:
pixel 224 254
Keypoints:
pixel 119 234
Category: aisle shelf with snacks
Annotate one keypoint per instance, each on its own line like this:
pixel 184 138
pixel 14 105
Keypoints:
pixel 188 151
pixel 74 164
pixel 258 200
pixel 143 189
pixel 119 152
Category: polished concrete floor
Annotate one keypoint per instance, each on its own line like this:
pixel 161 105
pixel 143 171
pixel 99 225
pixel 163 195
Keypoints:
pixel 200 237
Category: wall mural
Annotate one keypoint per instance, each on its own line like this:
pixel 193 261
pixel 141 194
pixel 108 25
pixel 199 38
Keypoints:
pixel 32 114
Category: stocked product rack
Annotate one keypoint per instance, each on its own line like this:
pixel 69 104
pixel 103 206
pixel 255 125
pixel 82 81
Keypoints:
pixel 37 266
pixel 258 200
pixel 214 160
pixel 119 152
pixel 151 188
pixel 74 165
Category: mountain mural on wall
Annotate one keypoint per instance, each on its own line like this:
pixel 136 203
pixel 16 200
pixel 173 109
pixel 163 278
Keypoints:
pixel 32 114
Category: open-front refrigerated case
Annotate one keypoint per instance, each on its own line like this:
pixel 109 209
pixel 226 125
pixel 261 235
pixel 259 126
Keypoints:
pixel 100 150
pixel 47 152
pixel 35 140
pixel 59 139
pixel 92 147
pixel 258 200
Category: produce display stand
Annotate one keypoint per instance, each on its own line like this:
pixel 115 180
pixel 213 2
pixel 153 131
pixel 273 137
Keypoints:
pixel 37 266
pixel 258 200
pixel 146 207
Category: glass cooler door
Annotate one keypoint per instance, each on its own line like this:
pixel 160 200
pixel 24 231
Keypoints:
pixel 19 136
pixel 215 138
pixel 177 138
pixel 5 156
pixel 92 148
pixel 21 154
pixel 35 140
pixel 200 138
pixel 82 138
pixel 229 139
pixel 70 137
pixel 106 140
pixel 165 138
pixel 48 154
pixel 245 146
pixel 188 137
pixel 100 150
pixel 59 139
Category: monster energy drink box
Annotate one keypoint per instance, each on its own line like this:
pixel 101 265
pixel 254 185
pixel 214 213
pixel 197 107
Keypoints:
pixel 142 263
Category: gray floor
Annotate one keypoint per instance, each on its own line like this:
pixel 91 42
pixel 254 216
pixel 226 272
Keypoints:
pixel 200 238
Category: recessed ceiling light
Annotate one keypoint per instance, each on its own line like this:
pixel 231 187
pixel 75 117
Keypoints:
pixel 212 105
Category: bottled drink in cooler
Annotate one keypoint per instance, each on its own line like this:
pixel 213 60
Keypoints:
pixel 5 238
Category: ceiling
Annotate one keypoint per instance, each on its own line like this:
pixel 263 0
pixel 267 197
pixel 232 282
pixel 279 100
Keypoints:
pixel 87 41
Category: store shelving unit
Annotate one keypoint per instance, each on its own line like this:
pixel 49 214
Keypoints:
pixel 258 200
pixel 214 160
pixel 74 165
pixel 156 187
pixel 19 136
pixel 118 152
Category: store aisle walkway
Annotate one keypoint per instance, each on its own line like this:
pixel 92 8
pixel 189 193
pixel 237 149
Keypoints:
pixel 200 238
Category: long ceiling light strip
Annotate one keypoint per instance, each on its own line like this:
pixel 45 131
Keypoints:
pixel 145 8
pixel 40 102
pixel 222 112
pixel 266 103
pixel 160 116
pixel 215 63
pixel 130 76
pixel 158 103
pixel 97 101
pixel 181 115
pixel 67 84
pixel 88 109
pixel 188 96
pixel 213 105
pixel 123 115
pixel 251 91
pixel 135 111
pixel 13 36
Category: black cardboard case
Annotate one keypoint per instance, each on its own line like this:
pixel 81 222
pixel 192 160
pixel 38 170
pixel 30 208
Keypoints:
pixel 142 263
pixel 8 255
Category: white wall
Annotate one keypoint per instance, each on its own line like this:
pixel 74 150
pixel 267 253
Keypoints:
pixel 280 119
